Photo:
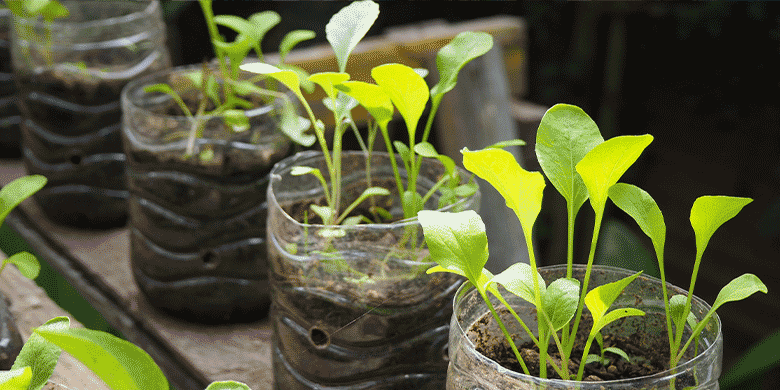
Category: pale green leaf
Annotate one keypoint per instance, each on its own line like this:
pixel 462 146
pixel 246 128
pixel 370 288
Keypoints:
pixel 236 120
pixel 619 352
pixel 451 58
pixel 603 166
pixel 287 77
pixel 518 279
pixel 119 363
pixel 402 150
pixel 372 97
pixel 426 149
pixel 677 310
pixel 739 289
pixel 262 22
pixel 326 213
pixel 18 379
pixel 326 80
pixel 456 240
pixel 227 385
pixel 601 298
pixel 291 39
pixel 41 355
pixel 27 264
pixel 642 208
pixel 709 213
pixel 565 135
pixel 348 26
pixel 406 89
pixel 522 190
pixel 17 191
pixel 560 301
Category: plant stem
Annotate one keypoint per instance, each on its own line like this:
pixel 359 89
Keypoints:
pixel 506 333
pixel 581 370
pixel 585 282
pixel 208 14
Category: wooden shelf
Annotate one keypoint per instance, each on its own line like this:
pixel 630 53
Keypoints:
pixel 96 263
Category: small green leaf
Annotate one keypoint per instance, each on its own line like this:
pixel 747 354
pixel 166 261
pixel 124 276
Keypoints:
pixel 326 213
pixel 677 310
pixel 287 77
pixel 327 80
pixel 372 97
pixel 456 241
pixel 262 22
pixel 592 358
pixel 17 191
pixel 236 120
pixel 348 26
pixel 119 363
pixel 411 202
pixel 41 355
pixel 27 264
pixel 406 89
pixel 227 385
pixel 402 150
pixel 522 190
pixel 642 208
pixel 426 149
pixel 619 352
pixel 291 39
pixel 739 289
pixel 603 166
pixel 601 298
pixel 709 213
pixel 617 314
pixel 560 301
pixel 504 144
pixel 565 135
pixel 18 379
pixel 467 189
pixel 333 233
pixel 518 279
pixel 451 58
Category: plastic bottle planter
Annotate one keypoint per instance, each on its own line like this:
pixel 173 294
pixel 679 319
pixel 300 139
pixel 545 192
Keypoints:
pixel 9 114
pixel 472 370
pixel 197 223
pixel 69 91
pixel 356 310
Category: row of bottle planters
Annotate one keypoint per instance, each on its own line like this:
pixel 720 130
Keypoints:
pixel 216 234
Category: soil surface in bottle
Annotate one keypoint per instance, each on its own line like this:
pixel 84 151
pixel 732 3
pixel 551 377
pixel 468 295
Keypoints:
pixel 197 232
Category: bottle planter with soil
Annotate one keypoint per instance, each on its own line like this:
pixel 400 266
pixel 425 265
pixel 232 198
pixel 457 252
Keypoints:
pixel 557 324
pixel 482 359
pixel 197 204
pixel 352 305
pixel 69 74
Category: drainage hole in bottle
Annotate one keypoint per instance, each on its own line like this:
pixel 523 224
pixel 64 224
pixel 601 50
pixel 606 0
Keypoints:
pixel 210 260
pixel 319 338
pixel 75 159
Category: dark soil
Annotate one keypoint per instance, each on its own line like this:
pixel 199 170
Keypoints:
pixel 645 359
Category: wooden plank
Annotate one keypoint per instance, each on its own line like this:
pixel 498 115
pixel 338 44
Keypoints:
pixel 31 307
pixel 97 264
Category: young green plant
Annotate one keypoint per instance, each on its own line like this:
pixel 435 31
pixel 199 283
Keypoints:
pixel 48 10
pixel 397 87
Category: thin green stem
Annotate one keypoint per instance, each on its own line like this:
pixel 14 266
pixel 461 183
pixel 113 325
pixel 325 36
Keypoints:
pixel 581 370
pixel 585 281
pixel 435 101
pixel 688 300
pixel 669 329
pixel 208 14
pixel 506 333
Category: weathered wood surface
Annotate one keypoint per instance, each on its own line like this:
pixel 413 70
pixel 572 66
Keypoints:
pixel 31 307
pixel 97 264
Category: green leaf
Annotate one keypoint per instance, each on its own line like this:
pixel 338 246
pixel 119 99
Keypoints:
pixel 565 135
pixel 287 77
pixel 518 279
pixel 348 26
pixel 603 166
pixel 709 213
pixel 592 358
pixel 412 202
pixel 677 310
pixel 291 39
pixel 327 80
pixel 456 241
pixel 642 208
pixel 522 190
pixel 18 379
pixel 451 58
pixel 27 264
pixel 262 22
pixel 504 144
pixel 41 355
pixel 619 352
pixel 425 149
pixel 406 89
pixel 53 10
pixel 372 97
pixel 17 191
pixel 601 298
pixel 560 301
pixel 402 150
pixel 739 289
pixel 236 120
pixel 119 363
pixel 615 315
pixel 227 385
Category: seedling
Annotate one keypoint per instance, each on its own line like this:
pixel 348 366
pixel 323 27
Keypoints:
pixel 48 10
pixel 601 358
pixel 397 87
pixel 225 93
pixel 582 166
pixel 11 195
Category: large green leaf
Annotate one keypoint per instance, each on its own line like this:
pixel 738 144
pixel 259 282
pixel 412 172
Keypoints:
pixel 372 97
pixel 739 289
pixel 565 135
pixel 17 379
pixel 522 190
pixel 41 355
pixel 601 298
pixel 406 89
pixel 709 213
pixel 560 301
pixel 27 264
pixel 456 241
pixel 119 363
pixel 18 190
pixel 327 80
pixel 603 166
pixel 348 26
pixel 451 58
pixel 642 208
